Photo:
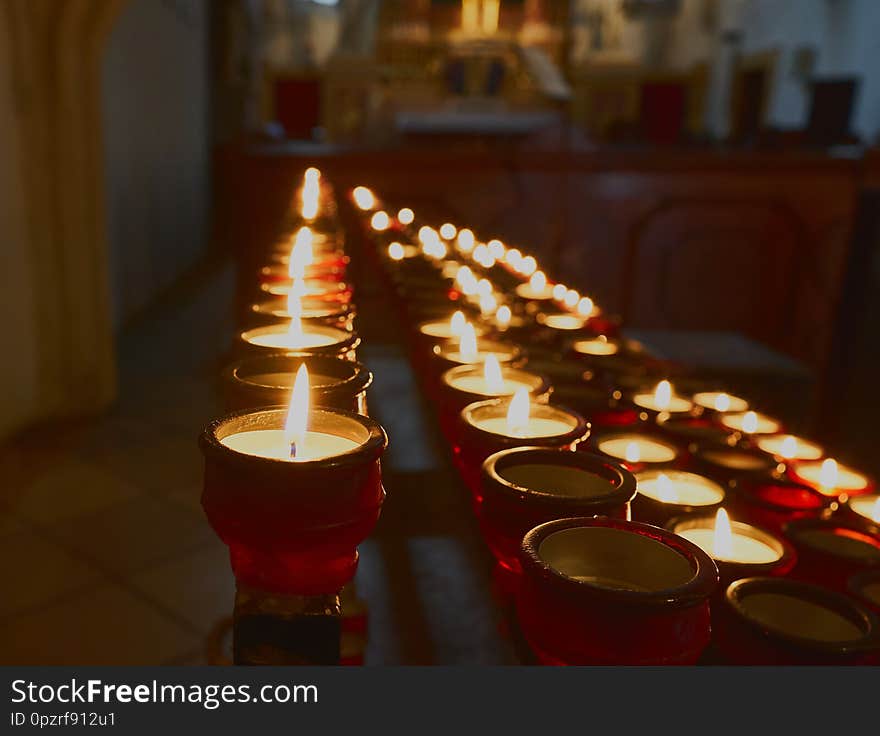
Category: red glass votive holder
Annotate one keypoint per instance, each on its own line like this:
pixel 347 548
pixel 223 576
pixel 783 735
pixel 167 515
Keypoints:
pixel 608 591
pixel 687 493
pixel 832 550
pixel 777 621
pixel 526 486
pixel 865 586
pixel 809 473
pixel 292 529
pixel 328 341
pixel 460 386
pixel 773 502
pixel 314 311
pixel 475 437
pixel 734 569
pixel 653 451
pixel 267 380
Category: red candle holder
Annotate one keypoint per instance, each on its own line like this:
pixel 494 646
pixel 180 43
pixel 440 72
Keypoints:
pixel 865 586
pixel 797 471
pixel 267 380
pixel 452 398
pixel 314 311
pixel 652 510
pixel 473 444
pixel 341 343
pixel 292 529
pixel 774 502
pixel 526 486
pixel 832 550
pixel 730 570
pixel 775 621
pixel 608 591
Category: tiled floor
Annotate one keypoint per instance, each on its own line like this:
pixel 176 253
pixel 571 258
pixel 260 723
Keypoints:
pixel 105 555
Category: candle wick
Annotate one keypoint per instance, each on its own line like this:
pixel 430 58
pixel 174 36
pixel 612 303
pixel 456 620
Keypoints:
pixel 292 450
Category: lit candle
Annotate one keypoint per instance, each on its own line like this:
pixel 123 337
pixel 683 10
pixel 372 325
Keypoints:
pixel 308 287
pixel 738 543
pixel 448 231
pixel 363 198
pixel 867 506
pixel 454 327
pixel 721 402
pixel 789 447
pixel 470 350
pixel 536 287
pixel 491 379
pixel 405 216
pixel 518 422
pixel 310 194
pixel 562 321
pixel 679 488
pixel 634 448
pixel 301 254
pixel 380 221
pixel 751 422
pixel 663 399
pixel 296 336
pixel 830 477
pixel 597 346
pixel 295 442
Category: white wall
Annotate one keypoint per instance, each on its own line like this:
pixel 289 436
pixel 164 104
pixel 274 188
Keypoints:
pixel 156 142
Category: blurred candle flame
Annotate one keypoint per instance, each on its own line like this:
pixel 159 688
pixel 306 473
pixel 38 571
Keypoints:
pixel 518 413
pixel 722 402
pixel 585 306
pixel 663 395
pixel 750 422
pixel 405 216
pixel 529 265
pixel 632 453
pixel 828 474
pixel 448 231
pixel 789 447
pixel 503 316
pixel 467 343
pixel 875 511
pixel 665 489
pixel 538 281
pixel 492 374
pixel 301 254
pixel 297 421
pixel 496 249
pixel 363 198
pixel 571 298
pixel 722 539
pixel 380 221
pixel 457 323
pixel 395 251
pixel 488 304
pixel 465 240
pixel 310 193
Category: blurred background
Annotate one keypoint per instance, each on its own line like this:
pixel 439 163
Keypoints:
pixel 707 169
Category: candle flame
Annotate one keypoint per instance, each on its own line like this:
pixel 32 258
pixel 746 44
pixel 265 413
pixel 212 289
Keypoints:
pixel 665 489
pixel 663 395
pixel 496 249
pixel 297 288
pixel 310 192
pixel 750 422
pixel 395 251
pixel 789 447
pixel 457 323
pixel 571 298
pixel 875 511
pixel 828 474
pixel 585 306
pixel 529 265
pixel 492 374
pixel 488 304
pixel 467 343
pixel 559 291
pixel 363 198
pixel 298 414
pixel 405 216
pixel 503 316
pixel 722 402
pixel 632 453
pixel 484 287
pixel 518 413
pixel 448 230
pixel 466 240
pixel 301 254
pixel 380 221
pixel 538 281
pixel 722 539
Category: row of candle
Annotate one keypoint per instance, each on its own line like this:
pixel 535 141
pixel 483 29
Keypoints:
pixel 292 476
pixel 680 461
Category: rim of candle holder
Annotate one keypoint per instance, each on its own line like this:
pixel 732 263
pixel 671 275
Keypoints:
pixel 497 408
pixel 636 429
pixel 780 566
pixel 865 532
pixel 793 468
pixel 539 386
pixel 671 507
pixel 279 273
pixel 354 376
pixel 337 255
pixel 698 588
pixel 852 610
pixel 335 290
pixel 508 352
pixel 368 433
pixel 857 583
pixel 622 483
pixel 749 491
pixel 768 466
pixel 677 425
pixel 340 348
pixel 330 310
pixel 583 322
pixel 479 329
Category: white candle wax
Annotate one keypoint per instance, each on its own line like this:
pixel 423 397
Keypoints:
pixel 536 427
pixel 721 401
pixel 282 339
pixel 309 288
pixel 687 489
pixel 596 346
pixel 744 548
pixel 563 321
pixel 845 480
pixel 650 450
pixel 527 292
pixel 274 444
pixel 763 423
pixel 467 359
pixel 790 447
pixel 443 329
pixel 479 385
pixel 676 405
